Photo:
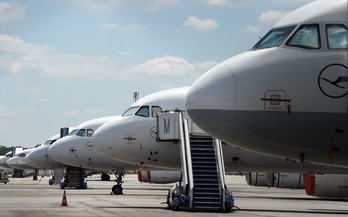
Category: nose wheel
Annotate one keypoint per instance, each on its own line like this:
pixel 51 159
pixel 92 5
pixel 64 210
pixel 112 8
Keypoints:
pixel 118 189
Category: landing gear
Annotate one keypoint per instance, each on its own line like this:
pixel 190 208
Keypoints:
pixel 105 177
pixel 118 189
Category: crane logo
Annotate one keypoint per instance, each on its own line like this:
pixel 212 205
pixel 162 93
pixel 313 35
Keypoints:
pixel 332 81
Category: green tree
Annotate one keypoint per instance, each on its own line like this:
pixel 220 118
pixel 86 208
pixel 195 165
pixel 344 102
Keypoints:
pixel 4 150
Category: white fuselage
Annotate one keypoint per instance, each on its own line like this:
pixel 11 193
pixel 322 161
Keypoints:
pixel 288 101
pixel 132 139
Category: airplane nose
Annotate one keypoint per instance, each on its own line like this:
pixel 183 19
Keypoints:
pixel 103 139
pixel 211 102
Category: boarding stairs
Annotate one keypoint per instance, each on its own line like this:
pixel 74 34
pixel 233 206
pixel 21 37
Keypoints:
pixel 202 165
pixel 73 177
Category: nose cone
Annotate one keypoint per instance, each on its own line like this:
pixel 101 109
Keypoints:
pixel 103 139
pixel 211 102
pixel 41 158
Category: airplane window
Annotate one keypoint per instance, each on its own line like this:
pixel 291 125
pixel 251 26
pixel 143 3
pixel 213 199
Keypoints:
pixel 21 155
pixel 131 111
pixel 144 111
pixel 306 36
pixel 48 142
pixel 72 133
pixel 274 37
pixel 156 110
pixel 336 36
pixel 81 132
pixel 90 132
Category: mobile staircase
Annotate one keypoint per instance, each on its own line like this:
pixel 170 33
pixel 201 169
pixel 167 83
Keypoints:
pixel 73 178
pixel 202 167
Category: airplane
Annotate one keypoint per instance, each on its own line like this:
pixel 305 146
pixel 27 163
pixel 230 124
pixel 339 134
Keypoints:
pixel 77 150
pixel 132 138
pixel 287 96
pixel 3 164
pixel 17 162
pixel 39 157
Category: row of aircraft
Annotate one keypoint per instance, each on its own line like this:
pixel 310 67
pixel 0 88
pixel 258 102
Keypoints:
pixel 280 109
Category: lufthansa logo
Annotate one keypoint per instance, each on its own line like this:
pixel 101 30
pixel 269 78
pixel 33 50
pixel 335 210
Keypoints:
pixel 332 80
pixel 89 146
pixel 153 132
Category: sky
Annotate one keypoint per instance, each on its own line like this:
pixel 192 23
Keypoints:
pixel 64 62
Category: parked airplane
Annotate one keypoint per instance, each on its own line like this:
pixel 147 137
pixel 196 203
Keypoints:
pixel 17 162
pixel 77 149
pixel 3 164
pixel 132 138
pixel 40 158
pixel 287 96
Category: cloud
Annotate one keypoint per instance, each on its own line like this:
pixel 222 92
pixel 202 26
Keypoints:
pixel 200 25
pixel 8 112
pixel 206 65
pixel 224 3
pixel 30 90
pixel 254 29
pixel 271 17
pixel 115 26
pixel 166 66
pixel 25 59
pixel 11 11
pixel 107 5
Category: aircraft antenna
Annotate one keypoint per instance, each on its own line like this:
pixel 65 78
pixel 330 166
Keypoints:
pixel 136 96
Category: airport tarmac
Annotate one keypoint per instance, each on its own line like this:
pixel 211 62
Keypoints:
pixel 25 197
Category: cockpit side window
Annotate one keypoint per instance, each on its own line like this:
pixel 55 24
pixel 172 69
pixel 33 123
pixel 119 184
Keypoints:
pixel 90 132
pixel 306 36
pixel 72 133
pixel 156 110
pixel 81 132
pixel 131 111
pixel 144 111
pixel 21 155
pixel 336 36
pixel 48 142
pixel 274 37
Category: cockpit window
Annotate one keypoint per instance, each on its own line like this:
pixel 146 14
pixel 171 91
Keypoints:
pixel 72 133
pixel 131 111
pixel 81 132
pixel 48 142
pixel 336 36
pixel 156 110
pixel 144 111
pixel 274 37
pixel 21 155
pixel 90 132
pixel 306 36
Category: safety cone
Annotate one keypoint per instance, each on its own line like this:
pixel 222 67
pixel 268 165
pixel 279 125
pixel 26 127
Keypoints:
pixel 64 201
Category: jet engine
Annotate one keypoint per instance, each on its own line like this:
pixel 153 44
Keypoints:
pixel 277 180
pixel 326 185
pixel 159 177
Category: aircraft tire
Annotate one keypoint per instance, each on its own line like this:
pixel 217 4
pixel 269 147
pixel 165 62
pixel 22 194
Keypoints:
pixel 117 189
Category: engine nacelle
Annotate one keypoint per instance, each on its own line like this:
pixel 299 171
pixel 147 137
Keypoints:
pixel 257 179
pixel 277 180
pixel 286 180
pixel 159 177
pixel 326 185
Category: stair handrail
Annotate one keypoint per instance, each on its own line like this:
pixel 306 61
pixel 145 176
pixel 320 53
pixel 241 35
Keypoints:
pixel 189 162
pixel 183 151
pixel 186 154
pixel 221 169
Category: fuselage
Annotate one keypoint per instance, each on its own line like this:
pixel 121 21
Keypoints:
pixel 287 96
pixel 132 139
pixel 76 149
